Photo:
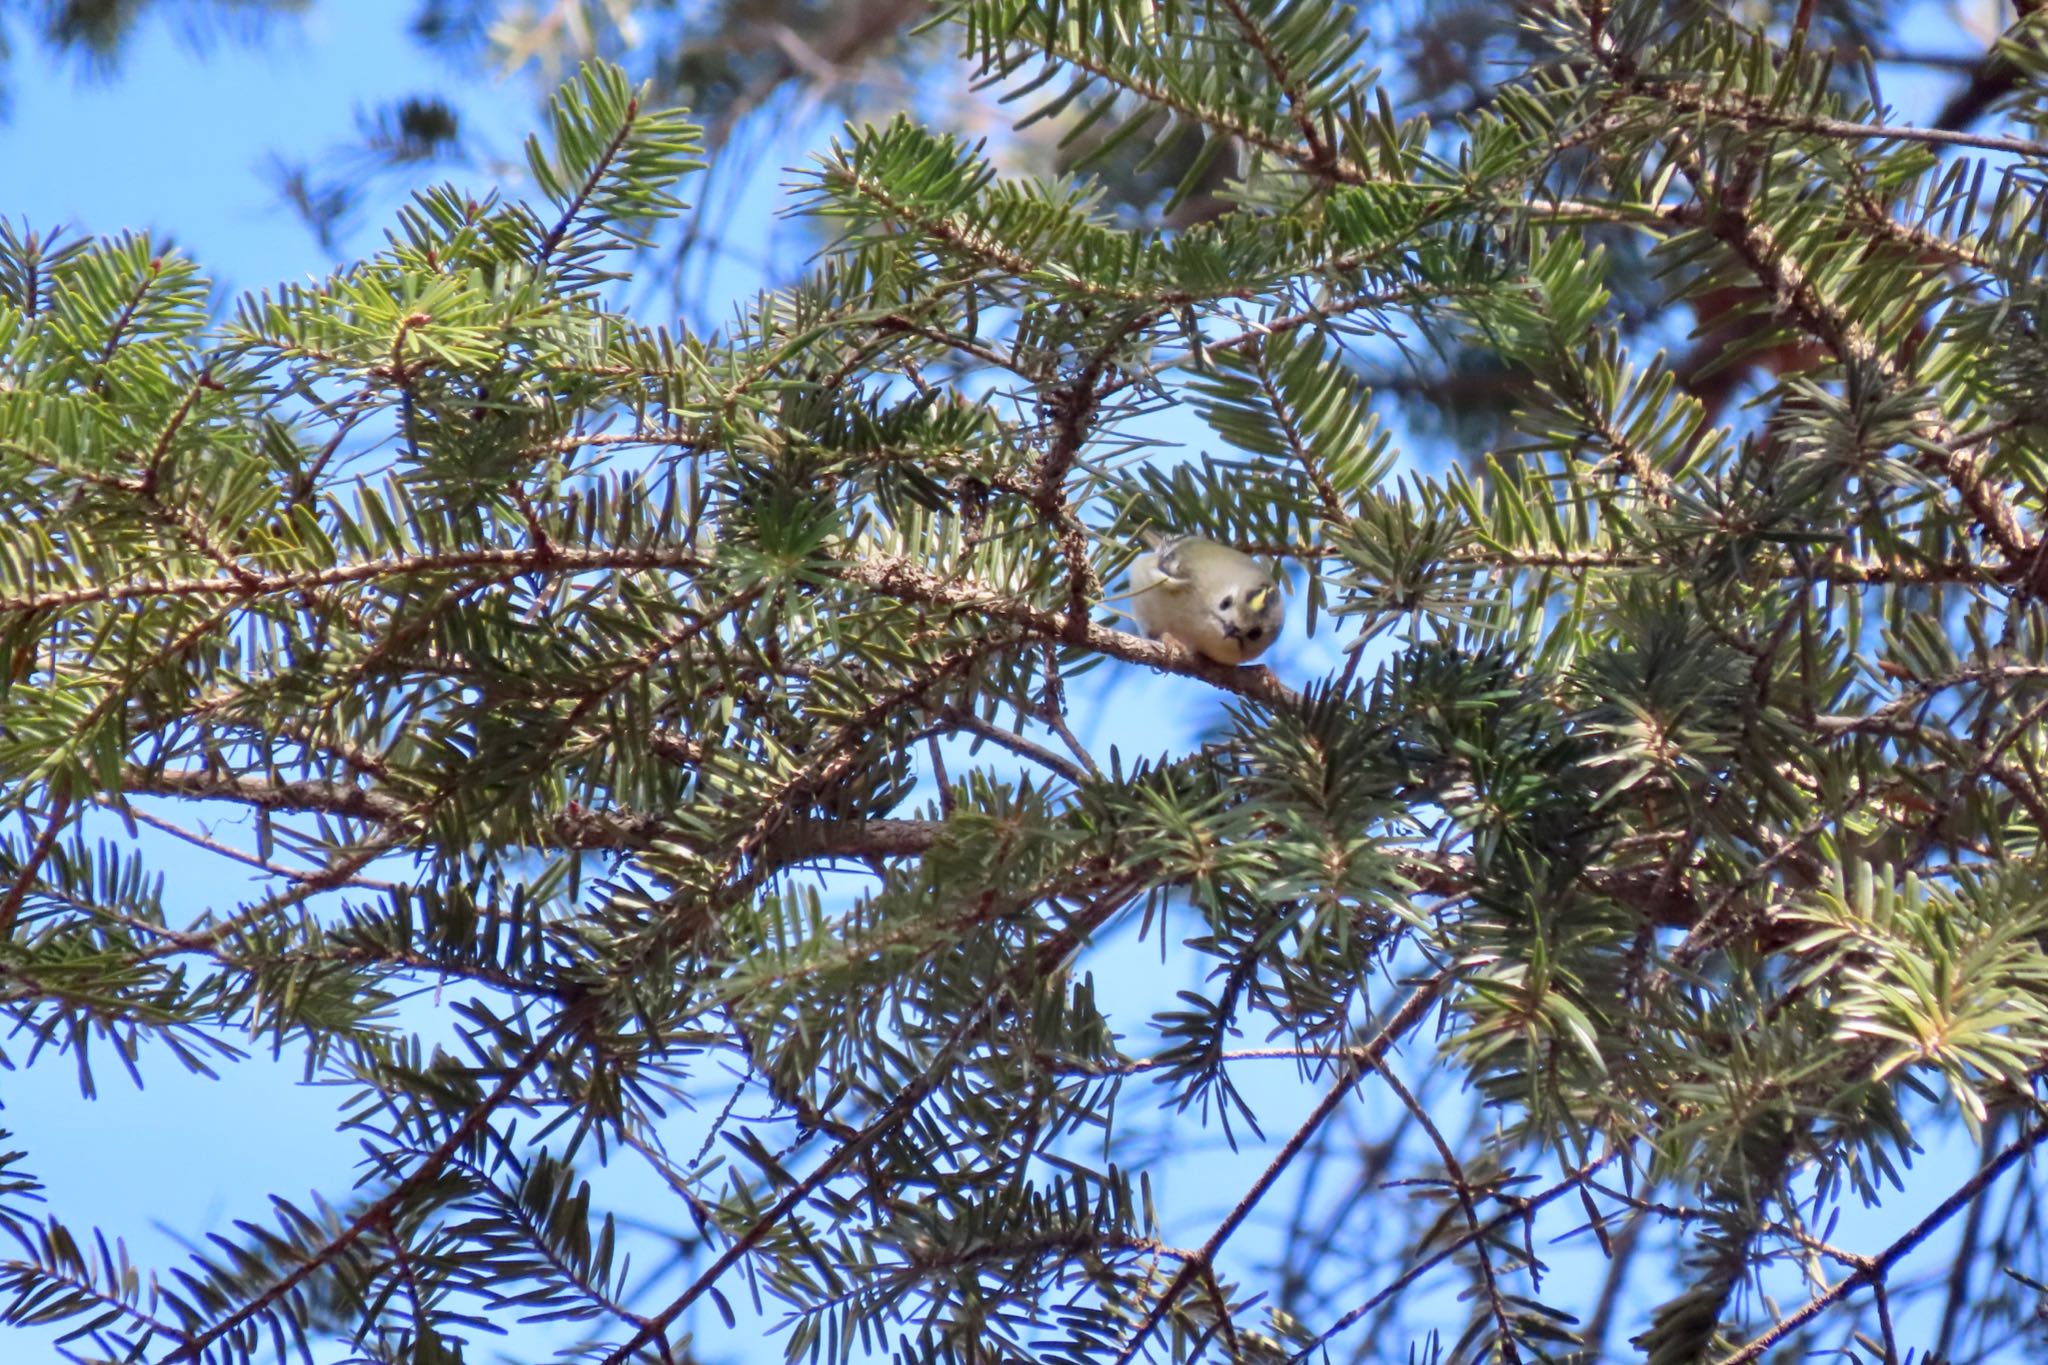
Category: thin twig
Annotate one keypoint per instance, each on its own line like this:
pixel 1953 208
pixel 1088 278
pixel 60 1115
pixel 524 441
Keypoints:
pixel 896 1111
pixel 378 1213
pixel 1372 1057
pixel 1877 1265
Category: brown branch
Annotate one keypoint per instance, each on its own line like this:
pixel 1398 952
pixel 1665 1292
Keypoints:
pixel 1727 218
pixel 645 436
pixel 162 447
pixel 839 753
pixel 1794 293
pixel 1988 765
pixel 504 559
pixel 897 577
pixel 1518 1208
pixel 803 840
pixel 793 840
pixel 600 167
pixel 107 1295
pixel 1256 332
pixel 325 798
pixel 958 721
pixel 1320 155
pixel 1891 722
pixel 305 480
pixel 378 1213
pixel 129 308
pixel 1073 407
pixel 198 840
pixel 1334 512
pixel 576 828
pixel 967 346
pixel 1371 1057
pixel 1138 1066
pixel 1461 1188
pixel 1686 1213
pixel 618 673
pixel 912 582
pixel 347 862
pixel 1756 115
pixel 1834 568
pixel 1051 956
pixel 45 844
pixel 1876 1266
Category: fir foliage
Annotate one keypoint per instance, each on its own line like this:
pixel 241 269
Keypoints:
pixel 1657 875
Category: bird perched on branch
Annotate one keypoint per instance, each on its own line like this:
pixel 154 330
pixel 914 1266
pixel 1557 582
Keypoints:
pixel 1217 601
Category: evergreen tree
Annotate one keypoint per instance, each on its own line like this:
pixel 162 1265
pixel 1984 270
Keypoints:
pixel 1656 877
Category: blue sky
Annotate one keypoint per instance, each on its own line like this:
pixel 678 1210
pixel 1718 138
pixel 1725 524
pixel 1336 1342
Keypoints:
pixel 178 143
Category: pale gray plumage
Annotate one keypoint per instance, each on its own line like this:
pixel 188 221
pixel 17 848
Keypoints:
pixel 1217 601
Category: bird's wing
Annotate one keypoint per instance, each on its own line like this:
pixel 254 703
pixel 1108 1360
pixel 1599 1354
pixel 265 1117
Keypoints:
pixel 1173 570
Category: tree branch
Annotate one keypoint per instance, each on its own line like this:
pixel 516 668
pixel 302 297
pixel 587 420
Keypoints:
pixel 1052 955
pixel 1370 1058
pixel 379 1211
pixel 1874 1269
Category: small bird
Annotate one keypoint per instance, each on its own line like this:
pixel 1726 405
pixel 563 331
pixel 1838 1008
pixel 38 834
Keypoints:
pixel 1210 598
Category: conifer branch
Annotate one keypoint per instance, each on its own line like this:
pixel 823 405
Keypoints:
pixel 378 1213
pixel 1726 214
pixel 1053 955
pixel 1372 1058
pixel 1752 114
pixel 1871 1271
pixel 725 691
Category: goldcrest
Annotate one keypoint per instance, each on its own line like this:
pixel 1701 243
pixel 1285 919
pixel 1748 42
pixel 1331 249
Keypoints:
pixel 1214 600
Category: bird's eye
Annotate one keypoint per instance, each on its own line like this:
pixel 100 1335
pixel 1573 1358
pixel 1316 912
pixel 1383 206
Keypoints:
pixel 1255 633
pixel 1225 603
